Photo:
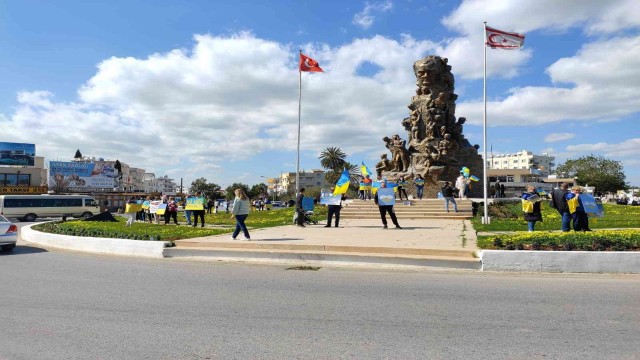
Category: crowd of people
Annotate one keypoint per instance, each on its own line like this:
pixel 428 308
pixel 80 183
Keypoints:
pixel 568 203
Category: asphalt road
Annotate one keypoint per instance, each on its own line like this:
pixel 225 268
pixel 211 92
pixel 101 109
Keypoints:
pixel 62 305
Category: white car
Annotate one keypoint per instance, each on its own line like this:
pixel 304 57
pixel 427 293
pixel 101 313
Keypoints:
pixel 8 234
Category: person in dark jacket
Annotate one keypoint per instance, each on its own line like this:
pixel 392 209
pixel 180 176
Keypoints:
pixel 559 202
pixel 531 217
pixel 299 209
pixel 580 218
pixel 386 209
pixel 447 193
pixel 402 184
pixel 334 210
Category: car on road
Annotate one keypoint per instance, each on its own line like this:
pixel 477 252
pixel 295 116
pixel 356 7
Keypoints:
pixel 8 234
pixel 277 204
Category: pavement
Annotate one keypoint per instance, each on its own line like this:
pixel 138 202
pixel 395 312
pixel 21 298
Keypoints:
pixel 430 243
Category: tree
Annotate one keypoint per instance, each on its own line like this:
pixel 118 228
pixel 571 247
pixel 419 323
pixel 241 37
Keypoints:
pixel 78 154
pixel 210 190
pixel 231 188
pixel 60 185
pixel 258 190
pixel 604 174
pixel 332 158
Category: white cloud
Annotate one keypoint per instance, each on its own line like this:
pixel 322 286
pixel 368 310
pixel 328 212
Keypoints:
pixel 604 78
pixel 526 17
pixel 365 18
pixel 626 149
pixel 554 137
pixel 188 111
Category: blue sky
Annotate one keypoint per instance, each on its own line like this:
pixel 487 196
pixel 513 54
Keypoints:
pixel 209 88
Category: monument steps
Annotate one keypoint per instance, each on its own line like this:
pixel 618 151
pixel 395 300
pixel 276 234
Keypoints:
pixel 415 209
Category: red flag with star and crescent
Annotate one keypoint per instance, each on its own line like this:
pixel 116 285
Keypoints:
pixel 498 39
pixel 308 64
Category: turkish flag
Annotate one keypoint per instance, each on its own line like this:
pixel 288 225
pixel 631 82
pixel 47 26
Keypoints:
pixel 308 64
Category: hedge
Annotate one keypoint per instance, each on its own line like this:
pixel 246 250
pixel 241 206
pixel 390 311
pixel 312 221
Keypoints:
pixel 601 240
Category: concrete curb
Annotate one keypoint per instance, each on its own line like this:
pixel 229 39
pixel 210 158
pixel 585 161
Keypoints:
pixel 324 259
pixel 616 262
pixel 147 249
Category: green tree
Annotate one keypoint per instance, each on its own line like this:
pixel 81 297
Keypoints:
pixel 231 188
pixel 332 158
pixel 210 190
pixel 258 190
pixel 604 174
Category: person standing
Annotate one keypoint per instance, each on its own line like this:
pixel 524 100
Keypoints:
pixel 299 209
pixel 502 195
pixel 533 212
pixel 385 208
pixel 210 204
pixel 402 184
pixel 171 212
pixel 447 194
pixel 580 218
pixel 334 210
pixel 188 213
pixel 368 183
pixel 461 185
pixel 240 211
pixel 559 202
pixel 419 181
pixel 200 212
pixel 130 210
pixel 361 188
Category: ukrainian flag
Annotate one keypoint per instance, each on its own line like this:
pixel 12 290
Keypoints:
pixel 343 183
pixel 364 170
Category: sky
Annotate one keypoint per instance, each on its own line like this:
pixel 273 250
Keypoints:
pixel 209 89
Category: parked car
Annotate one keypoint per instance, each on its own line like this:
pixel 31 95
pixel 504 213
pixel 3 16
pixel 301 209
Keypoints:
pixel 8 234
pixel 277 204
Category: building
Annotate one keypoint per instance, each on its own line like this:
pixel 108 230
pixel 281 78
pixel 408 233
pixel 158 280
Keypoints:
pixel 166 185
pixel 523 160
pixel 137 179
pixel 24 179
pixel 150 183
pixel 286 183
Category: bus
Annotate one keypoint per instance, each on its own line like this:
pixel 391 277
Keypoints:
pixel 30 207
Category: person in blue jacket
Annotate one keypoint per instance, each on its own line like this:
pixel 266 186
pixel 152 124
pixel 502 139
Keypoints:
pixel 579 216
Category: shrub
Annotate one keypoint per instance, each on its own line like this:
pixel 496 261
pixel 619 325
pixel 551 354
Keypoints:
pixel 603 240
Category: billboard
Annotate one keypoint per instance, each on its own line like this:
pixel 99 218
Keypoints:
pixel 82 176
pixel 17 154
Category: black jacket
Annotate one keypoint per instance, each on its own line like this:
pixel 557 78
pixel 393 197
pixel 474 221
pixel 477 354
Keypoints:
pixel 299 202
pixel 558 200
pixel 447 191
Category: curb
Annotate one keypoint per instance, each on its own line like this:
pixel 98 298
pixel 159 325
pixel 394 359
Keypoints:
pixel 147 249
pixel 613 262
pixel 325 259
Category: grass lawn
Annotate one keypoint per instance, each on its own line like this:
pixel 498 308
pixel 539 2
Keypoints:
pixel 508 216
pixel 146 231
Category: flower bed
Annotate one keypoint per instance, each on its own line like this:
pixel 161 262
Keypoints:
pixel 601 240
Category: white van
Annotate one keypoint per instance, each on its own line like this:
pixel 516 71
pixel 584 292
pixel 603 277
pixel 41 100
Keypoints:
pixel 31 207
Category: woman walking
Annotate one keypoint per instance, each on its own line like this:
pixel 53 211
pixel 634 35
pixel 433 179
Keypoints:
pixel 240 211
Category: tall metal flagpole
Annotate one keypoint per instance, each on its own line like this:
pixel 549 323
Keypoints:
pixel 485 219
pixel 299 110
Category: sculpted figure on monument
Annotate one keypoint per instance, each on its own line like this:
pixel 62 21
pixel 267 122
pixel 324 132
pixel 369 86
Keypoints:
pixel 383 165
pixel 400 156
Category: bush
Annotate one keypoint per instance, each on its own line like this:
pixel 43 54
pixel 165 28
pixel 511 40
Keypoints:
pixel 604 240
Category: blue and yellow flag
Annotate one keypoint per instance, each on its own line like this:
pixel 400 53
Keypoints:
pixel 364 170
pixel 343 183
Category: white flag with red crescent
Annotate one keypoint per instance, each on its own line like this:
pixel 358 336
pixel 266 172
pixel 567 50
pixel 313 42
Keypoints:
pixel 498 39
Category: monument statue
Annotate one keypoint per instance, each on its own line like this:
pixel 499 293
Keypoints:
pixel 436 147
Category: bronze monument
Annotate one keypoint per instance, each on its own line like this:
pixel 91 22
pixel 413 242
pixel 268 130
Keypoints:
pixel 436 147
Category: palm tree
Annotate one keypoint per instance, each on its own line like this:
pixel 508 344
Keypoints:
pixel 332 158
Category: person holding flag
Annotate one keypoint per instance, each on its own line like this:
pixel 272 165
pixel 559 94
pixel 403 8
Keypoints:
pixel 367 181
pixel 385 199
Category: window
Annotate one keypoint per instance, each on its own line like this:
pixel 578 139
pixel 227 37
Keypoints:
pixel 11 179
pixel 90 202
pixel 24 179
pixel 510 178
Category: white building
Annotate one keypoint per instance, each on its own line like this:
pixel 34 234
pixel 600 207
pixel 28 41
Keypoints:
pixel 166 185
pixel 523 160
pixel 308 179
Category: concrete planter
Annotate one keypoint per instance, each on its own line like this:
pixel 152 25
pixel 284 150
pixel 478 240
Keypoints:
pixel 617 262
pixel 148 249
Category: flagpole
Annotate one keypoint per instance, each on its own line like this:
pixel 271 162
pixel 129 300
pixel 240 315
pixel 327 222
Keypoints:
pixel 485 218
pixel 299 111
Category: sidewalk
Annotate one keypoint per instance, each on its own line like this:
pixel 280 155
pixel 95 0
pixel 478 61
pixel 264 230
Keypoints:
pixel 439 243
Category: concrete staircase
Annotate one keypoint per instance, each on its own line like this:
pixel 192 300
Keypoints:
pixel 411 209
